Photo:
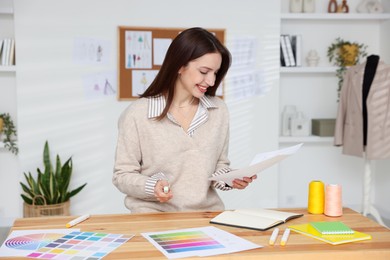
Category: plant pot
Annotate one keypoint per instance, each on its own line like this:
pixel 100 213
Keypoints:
pixel 349 53
pixel 60 209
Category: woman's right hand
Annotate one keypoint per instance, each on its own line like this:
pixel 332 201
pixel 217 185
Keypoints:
pixel 159 193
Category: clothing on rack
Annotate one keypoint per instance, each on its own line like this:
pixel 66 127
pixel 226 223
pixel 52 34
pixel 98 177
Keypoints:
pixel 368 78
pixel 363 118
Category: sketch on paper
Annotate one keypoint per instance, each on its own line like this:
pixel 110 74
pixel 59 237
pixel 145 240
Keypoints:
pixel 138 49
pixel 141 80
pixel 100 84
pixel 90 51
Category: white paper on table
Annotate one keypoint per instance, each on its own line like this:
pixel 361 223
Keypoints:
pixel 259 163
pixel 207 241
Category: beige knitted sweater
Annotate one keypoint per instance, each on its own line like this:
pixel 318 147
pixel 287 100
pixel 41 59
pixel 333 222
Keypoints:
pixel 146 147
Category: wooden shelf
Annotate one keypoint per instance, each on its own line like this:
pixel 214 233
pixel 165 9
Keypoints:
pixel 305 139
pixel 308 69
pixel 335 16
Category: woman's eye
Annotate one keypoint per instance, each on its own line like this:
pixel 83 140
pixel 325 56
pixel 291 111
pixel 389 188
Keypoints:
pixel 203 72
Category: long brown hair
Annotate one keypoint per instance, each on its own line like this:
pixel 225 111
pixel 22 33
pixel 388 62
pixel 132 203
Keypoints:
pixel 189 45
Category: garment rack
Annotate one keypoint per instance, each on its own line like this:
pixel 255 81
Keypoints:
pixel 368 208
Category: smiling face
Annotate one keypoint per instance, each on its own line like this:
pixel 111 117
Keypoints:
pixel 198 75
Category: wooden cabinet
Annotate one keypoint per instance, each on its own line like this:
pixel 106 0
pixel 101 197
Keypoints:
pixel 7 73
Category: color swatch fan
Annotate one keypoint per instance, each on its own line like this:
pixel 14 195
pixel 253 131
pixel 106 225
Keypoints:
pixel 31 242
pixel 23 242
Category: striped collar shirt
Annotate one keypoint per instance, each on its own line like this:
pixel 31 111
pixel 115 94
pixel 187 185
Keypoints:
pixel 157 105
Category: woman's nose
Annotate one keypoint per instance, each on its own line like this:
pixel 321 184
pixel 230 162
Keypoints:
pixel 210 79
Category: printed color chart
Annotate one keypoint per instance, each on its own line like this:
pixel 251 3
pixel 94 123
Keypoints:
pixel 80 245
pixel 204 241
pixel 186 241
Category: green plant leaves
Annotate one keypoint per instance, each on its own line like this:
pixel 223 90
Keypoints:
pixel 337 55
pixel 52 185
pixel 9 130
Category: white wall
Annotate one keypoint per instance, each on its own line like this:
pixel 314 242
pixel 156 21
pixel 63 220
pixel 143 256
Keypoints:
pixel 51 104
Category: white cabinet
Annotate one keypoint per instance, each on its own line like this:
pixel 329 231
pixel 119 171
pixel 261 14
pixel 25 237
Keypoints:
pixel 7 73
pixel 313 90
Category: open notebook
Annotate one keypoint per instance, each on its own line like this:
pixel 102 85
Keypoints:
pixel 334 239
pixel 258 219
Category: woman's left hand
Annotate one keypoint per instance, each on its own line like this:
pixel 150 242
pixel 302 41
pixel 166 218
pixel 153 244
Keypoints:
pixel 242 184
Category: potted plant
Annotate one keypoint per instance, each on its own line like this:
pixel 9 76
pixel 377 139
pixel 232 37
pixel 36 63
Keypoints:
pixel 48 194
pixel 343 54
pixel 7 127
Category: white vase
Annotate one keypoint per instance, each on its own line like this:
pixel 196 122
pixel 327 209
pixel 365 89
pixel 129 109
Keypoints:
pixel 312 58
pixel 289 112
pixel 309 6
pixel 369 6
pixel 296 6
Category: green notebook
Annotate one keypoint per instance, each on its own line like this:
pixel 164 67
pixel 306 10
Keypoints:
pixel 332 228
pixel 308 230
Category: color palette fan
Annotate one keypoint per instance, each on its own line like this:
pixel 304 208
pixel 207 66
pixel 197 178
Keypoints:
pixel 32 241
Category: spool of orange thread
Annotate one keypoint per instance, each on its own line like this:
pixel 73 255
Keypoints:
pixel 333 200
pixel 316 198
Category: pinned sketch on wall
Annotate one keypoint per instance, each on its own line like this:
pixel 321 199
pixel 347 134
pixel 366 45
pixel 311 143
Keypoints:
pixel 243 50
pixel 244 79
pixel 142 80
pixel 244 84
pixel 91 51
pixel 100 85
pixel 141 53
pixel 138 49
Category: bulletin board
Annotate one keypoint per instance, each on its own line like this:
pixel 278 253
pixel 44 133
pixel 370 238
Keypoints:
pixel 141 53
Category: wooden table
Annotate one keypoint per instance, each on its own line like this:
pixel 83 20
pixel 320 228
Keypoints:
pixel 298 246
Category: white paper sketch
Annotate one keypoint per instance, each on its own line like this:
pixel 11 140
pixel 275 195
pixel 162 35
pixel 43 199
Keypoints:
pixel 138 49
pixel 141 80
pixel 91 51
pixel 100 84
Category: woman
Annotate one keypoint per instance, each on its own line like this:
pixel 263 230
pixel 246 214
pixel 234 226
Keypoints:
pixel 176 135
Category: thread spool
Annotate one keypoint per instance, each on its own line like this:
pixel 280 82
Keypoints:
pixel 316 196
pixel 333 200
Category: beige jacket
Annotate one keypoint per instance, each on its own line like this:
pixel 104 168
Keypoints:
pixel 349 122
